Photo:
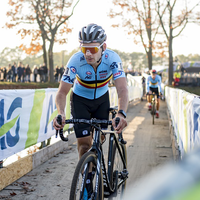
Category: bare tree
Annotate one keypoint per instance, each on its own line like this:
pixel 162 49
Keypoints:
pixel 45 21
pixel 138 19
pixel 173 24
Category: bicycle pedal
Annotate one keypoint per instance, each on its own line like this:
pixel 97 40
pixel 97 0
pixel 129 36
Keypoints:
pixel 123 141
pixel 124 174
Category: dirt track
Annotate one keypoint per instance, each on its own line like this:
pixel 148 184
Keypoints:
pixel 148 146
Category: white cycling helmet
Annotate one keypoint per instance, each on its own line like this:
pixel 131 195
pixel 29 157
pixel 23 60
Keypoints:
pixel 92 33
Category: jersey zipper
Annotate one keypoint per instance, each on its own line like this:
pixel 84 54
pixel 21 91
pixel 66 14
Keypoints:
pixel 95 81
pixel 96 85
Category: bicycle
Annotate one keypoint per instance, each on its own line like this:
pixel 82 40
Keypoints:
pixel 108 180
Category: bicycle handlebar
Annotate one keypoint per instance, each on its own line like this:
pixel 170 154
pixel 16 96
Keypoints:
pixel 82 121
pixel 88 121
pixel 59 120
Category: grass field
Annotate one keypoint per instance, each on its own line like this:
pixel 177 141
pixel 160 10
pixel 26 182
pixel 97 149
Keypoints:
pixel 31 85
pixel 193 90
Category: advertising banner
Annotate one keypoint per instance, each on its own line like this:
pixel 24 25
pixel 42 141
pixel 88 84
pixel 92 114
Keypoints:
pixel 26 117
pixel 184 110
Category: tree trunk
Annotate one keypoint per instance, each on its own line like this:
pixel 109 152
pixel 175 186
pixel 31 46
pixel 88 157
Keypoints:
pixel 149 55
pixel 44 51
pixel 170 71
pixel 51 65
pixel 170 40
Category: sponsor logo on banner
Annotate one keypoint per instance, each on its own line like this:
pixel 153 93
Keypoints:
pixel 6 123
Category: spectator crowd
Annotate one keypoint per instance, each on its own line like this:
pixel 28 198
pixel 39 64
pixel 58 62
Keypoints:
pixel 22 73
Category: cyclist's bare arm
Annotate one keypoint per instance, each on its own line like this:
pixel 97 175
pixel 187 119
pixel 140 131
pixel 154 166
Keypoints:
pixel 61 103
pixel 122 91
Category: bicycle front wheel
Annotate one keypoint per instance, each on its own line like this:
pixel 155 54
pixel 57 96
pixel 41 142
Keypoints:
pixel 118 170
pixel 153 112
pixel 87 164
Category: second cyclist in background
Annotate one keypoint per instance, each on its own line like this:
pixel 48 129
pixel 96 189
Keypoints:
pixel 154 85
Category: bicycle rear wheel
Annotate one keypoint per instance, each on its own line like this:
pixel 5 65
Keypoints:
pixel 87 162
pixel 117 170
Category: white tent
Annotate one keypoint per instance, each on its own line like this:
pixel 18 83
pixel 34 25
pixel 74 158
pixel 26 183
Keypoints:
pixel 164 68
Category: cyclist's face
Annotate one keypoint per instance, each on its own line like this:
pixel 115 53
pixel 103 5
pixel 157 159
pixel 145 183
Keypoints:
pixel 153 75
pixel 92 58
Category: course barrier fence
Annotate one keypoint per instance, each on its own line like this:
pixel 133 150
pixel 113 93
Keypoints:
pixel 26 116
pixel 184 109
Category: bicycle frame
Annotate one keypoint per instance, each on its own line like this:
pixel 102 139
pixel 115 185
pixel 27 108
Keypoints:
pixel 97 148
pixel 153 97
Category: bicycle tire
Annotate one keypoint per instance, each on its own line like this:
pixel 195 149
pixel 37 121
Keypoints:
pixel 116 167
pixel 75 192
pixel 153 112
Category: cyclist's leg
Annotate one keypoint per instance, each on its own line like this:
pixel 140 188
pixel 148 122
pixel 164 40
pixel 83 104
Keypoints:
pixel 149 101
pixel 157 103
pixel 80 110
pixel 157 98
pixel 84 144
pixel 149 98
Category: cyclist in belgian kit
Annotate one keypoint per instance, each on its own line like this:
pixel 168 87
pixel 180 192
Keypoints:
pixel 90 70
pixel 154 85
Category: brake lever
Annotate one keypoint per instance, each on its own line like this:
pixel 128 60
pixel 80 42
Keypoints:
pixel 59 120
pixel 120 134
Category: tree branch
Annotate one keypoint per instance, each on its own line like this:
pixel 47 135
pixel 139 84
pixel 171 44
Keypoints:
pixel 160 17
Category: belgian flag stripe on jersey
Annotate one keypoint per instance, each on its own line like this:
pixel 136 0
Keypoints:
pixel 93 84
pixel 154 83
